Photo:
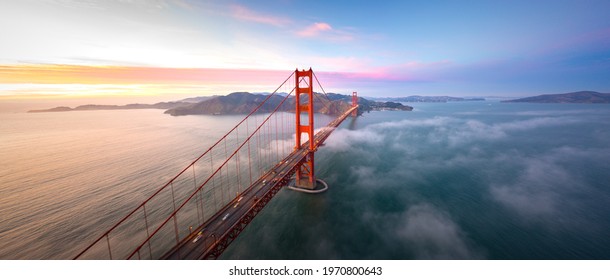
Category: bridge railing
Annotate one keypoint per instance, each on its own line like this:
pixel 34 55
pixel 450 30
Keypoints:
pixel 235 179
pixel 200 190
pixel 197 192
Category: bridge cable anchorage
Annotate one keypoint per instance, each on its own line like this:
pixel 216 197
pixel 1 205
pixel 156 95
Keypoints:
pixel 212 204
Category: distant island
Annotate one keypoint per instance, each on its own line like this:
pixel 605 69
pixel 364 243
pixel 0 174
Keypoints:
pixel 417 98
pixel 571 97
pixel 243 103
pixel 91 107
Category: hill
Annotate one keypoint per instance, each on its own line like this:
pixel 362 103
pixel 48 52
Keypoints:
pixel 571 97
pixel 91 107
pixel 245 102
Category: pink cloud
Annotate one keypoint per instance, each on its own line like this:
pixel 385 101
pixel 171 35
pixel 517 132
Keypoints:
pixel 372 75
pixel 405 72
pixel 314 29
pixel 243 13
pixel 323 30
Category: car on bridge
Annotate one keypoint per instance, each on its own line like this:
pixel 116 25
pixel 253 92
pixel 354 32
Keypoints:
pixel 199 235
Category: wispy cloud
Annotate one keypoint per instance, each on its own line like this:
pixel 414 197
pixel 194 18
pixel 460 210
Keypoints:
pixel 545 182
pixel 74 4
pixel 246 14
pixel 535 185
pixel 325 31
pixel 314 29
pixel 434 235
pixel 360 69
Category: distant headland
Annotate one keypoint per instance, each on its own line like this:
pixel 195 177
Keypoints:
pixel 418 98
pixel 91 107
pixel 571 97
pixel 243 103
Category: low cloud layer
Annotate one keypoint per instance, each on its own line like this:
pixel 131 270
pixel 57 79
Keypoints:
pixel 433 235
pixel 461 186
pixel 525 166
pixel 548 186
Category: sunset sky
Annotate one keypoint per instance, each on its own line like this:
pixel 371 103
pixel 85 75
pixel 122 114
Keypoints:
pixel 170 49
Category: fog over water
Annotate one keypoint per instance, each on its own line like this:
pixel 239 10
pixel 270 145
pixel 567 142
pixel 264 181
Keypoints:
pixel 451 181
pixel 469 180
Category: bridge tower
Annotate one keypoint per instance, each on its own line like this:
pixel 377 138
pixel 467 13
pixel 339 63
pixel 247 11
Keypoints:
pixel 304 85
pixel 355 103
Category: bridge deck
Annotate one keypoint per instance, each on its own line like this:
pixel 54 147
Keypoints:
pixel 210 239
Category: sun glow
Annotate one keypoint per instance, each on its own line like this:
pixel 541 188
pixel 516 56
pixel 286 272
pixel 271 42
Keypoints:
pixel 69 81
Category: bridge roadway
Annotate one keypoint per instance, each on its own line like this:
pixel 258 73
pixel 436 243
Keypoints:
pixel 210 239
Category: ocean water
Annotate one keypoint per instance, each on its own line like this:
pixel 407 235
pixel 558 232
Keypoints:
pixel 471 180
pixel 65 178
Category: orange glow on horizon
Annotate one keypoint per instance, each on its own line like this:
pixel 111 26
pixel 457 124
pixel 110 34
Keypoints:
pixel 78 74
pixel 69 81
pixel 57 81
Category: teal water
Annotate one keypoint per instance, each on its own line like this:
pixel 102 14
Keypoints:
pixel 476 180
pixel 472 180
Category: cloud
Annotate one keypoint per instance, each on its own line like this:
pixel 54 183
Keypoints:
pixel 325 31
pixel 545 184
pixel 348 75
pixel 444 133
pixel 421 231
pixel 537 191
pixel 246 14
pixel 455 131
pixel 345 139
pixel 433 235
pixel 349 70
pixel 74 4
pixel 314 29
pixel 417 150
pixel 535 123
pixel 401 190
pixel 563 112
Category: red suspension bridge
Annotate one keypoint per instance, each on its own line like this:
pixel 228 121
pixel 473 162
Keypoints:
pixel 200 211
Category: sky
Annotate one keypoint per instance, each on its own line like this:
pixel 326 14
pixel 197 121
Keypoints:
pixel 171 49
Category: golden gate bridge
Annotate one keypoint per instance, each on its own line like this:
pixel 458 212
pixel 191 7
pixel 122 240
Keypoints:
pixel 201 210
